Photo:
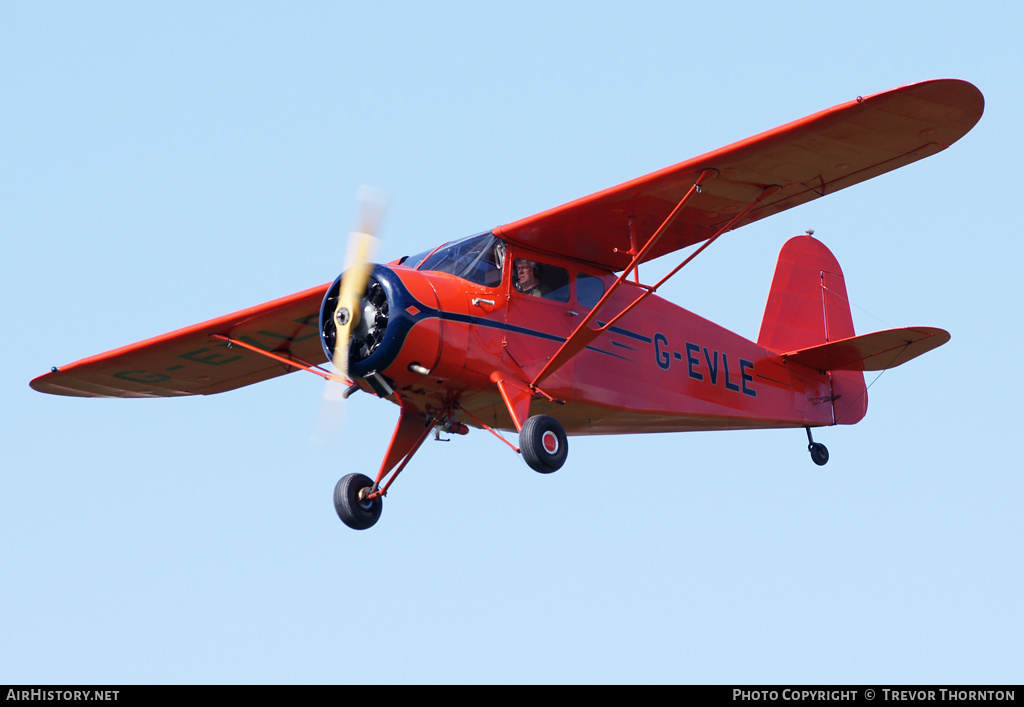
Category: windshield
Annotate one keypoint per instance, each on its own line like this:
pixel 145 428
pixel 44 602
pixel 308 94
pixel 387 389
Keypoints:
pixel 478 259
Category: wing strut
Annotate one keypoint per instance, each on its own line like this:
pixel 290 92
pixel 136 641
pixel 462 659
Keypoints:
pixel 583 334
pixel 293 362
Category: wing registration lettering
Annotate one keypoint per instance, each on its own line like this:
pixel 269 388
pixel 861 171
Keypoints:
pixel 191 361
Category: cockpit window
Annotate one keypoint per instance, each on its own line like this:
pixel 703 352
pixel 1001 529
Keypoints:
pixel 478 259
pixel 540 279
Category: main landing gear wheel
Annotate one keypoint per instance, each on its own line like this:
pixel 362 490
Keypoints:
pixel 354 512
pixel 543 444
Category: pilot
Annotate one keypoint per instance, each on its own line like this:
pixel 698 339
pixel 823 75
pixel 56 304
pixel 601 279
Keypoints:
pixel 527 277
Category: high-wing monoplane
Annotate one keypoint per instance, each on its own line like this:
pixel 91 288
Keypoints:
pixel 543 327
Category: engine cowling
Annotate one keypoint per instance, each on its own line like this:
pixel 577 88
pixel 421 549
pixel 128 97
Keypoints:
pixel 399 332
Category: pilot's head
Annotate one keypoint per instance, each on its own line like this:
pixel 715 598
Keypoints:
pixel 527 274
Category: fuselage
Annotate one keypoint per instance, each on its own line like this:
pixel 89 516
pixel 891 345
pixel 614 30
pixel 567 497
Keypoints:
pixel 660 368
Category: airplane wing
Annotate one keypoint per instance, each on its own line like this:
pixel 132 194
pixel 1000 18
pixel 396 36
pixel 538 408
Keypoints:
pixel 191 361
pixel 807 158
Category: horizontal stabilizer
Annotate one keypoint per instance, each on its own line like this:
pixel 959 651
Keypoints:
pixel 869 352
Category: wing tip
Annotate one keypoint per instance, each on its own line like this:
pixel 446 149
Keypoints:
pixel 46 384
pixel 959 100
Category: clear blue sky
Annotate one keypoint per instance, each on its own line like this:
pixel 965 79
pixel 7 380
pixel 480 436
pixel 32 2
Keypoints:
pixel 162 164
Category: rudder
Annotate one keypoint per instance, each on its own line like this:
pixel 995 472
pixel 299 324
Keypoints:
pixel 808 306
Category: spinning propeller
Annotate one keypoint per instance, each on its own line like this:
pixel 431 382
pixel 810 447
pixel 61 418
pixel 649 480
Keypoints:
pixel 362 243
pixel 348 312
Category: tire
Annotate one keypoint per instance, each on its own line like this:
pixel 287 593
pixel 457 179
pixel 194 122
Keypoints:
pixel 356 514
pixel 543 444
pixel 819 453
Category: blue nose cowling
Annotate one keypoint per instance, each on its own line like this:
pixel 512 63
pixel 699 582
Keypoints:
pixel 397 321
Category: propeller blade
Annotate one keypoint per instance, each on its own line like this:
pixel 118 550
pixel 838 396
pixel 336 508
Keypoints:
pixel 362 244
pixel 348 312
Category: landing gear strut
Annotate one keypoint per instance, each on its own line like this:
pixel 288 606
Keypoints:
pixel 819 453
pixel 357 498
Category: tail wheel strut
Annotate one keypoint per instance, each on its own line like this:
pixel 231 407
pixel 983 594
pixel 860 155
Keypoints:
pixel 819 452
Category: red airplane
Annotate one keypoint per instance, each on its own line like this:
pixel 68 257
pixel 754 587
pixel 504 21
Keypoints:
pixel 543 327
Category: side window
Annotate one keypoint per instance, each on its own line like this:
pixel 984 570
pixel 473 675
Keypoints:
pixel 540 279
pixel 589 290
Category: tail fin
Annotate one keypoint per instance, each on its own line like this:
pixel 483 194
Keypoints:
pixel 807 306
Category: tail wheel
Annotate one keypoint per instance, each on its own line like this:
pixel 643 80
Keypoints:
pixel 819 453
pixel 349 501
pixel 543 444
